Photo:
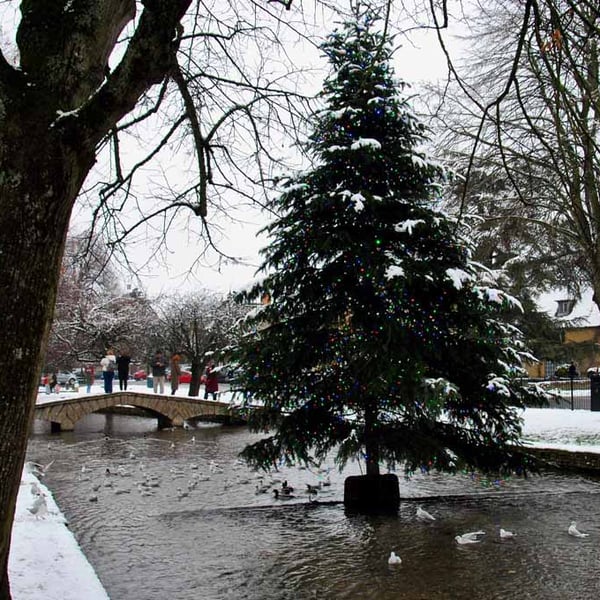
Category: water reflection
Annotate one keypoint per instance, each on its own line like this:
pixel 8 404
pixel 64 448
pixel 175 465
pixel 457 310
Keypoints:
pixel 223 540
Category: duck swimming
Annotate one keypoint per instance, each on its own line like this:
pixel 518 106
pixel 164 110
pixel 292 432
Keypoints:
pixel 282 496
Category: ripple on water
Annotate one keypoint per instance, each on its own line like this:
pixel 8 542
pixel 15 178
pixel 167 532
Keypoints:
pixel 224 541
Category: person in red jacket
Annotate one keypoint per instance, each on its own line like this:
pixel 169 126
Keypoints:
pixel 211 385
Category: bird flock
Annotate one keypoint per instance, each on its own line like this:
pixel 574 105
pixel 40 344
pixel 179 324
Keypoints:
pixel 125 478
pixel 474 537
pixel 128 474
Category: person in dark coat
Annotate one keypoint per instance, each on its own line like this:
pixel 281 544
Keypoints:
pixel 90 374
pixel 53 382
pixel 211 385
pixel 123 360
pixel 159 369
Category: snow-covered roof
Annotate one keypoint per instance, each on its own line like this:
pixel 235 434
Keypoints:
pixel 579 312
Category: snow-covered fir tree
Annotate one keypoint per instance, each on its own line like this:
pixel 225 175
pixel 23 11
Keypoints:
pixel 379 341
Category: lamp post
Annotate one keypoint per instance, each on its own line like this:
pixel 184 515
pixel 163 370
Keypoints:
pixel 572 373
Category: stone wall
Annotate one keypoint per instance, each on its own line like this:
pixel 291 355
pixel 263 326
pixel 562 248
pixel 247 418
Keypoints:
pixel 566 460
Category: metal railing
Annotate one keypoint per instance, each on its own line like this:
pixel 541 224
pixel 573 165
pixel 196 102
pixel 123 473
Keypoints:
pixel 569 393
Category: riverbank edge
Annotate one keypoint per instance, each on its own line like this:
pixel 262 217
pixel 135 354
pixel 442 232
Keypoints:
pixel 44 556
pixel 585 460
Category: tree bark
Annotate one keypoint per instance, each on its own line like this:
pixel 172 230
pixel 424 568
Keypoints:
pixel 40 181
pixel 371 441
pixel 53 112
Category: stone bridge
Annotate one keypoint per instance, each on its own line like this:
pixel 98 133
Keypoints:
pixel 171 411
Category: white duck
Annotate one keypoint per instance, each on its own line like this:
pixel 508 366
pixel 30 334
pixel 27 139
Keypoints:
pixel 394 559
pixel 575 532
pixel 505 534
pixel 423 515
pixel 473 537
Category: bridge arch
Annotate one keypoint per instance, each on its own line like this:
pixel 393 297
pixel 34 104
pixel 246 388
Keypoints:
pixel 171 411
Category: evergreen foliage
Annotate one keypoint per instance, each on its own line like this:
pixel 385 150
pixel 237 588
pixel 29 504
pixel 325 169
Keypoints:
pixel 378 342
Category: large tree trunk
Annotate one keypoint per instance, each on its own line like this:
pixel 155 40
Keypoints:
pixel 38 186
pixel 373 492
pixel 194 389
pixel 54 110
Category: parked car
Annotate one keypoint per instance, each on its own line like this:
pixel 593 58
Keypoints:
pixel 139 375
pixel 67 377
pixel 184 377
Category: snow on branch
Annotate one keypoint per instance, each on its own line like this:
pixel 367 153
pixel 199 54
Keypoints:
pixel 458 277
pixel 366 143
pixel 499 297
pixel 408 225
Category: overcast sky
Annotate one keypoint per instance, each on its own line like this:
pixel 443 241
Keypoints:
pixel 177 266
pixel 423 61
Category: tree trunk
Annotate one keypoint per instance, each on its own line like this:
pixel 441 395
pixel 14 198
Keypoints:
pixel 196 376
pixel 54 109
pixel 38 185
pixel 371 441
pixel 373 492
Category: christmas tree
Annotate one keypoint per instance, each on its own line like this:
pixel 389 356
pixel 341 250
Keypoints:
pixel 380 341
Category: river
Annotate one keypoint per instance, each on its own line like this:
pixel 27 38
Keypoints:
pixel 174 515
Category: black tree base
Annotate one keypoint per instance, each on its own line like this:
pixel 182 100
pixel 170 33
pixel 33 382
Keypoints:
pixel 372 493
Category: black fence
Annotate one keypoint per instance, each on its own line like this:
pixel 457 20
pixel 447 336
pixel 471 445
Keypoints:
pixel 572 394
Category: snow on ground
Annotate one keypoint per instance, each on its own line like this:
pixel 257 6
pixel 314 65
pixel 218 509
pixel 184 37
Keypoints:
pixel 46 561
pixel 562 428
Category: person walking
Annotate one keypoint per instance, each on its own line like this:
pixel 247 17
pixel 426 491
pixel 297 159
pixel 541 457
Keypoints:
pixel 175 372
pixel 90 373
pixel 53 383
pixel 159 367
pixel 108 364
pixel 211 385
pixel 123 360
pixel 46 382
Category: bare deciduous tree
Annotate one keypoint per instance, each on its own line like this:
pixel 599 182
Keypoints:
pixel 526 133
pixel 95 308
pixel 200 325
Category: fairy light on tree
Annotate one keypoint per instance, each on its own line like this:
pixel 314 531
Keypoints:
pixel 379 342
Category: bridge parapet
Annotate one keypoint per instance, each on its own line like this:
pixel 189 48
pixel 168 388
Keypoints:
pixel 169 410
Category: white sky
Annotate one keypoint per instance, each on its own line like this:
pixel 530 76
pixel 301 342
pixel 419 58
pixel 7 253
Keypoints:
pixel 177 267
pixel 46 562
pixel 419 59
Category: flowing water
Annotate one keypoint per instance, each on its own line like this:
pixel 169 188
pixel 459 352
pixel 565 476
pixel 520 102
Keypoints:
pixel 223 540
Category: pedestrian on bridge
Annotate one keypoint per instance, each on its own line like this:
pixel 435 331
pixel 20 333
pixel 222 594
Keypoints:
pixel 90 374
pixel 108 364
pixel 175 372
pixel 159 368
pixel 123 360
pixel 53 383
pixel 211 384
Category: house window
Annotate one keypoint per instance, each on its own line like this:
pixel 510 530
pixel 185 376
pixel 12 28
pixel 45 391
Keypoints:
pixel 564 307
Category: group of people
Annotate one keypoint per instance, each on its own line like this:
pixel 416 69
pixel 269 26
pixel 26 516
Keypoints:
pixel 51 383
pixel 159 370
pixel 119 363
pixel 111 363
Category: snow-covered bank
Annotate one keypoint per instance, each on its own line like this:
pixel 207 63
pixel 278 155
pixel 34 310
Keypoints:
pixel 45 560
pixel 573 430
